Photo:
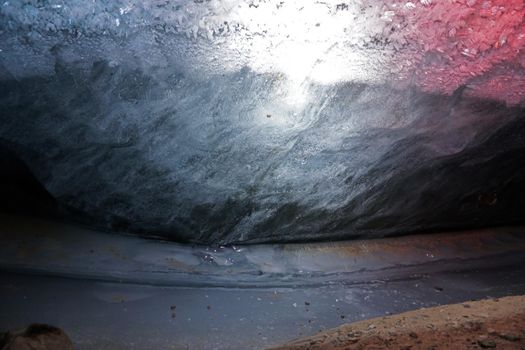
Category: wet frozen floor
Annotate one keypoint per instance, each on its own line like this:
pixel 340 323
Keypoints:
pixel 121 292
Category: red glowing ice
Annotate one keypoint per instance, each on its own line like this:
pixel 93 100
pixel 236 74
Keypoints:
pixel 479 44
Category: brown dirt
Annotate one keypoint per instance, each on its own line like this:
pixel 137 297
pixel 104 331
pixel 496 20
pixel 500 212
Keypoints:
pixel 486 324
pixel 36 337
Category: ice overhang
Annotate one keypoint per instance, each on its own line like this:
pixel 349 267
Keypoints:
pixel 256 121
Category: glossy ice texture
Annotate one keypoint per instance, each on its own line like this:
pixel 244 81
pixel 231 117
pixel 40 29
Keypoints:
pixel 268 121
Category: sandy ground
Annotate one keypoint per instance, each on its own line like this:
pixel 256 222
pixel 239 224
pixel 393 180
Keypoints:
pixel 486 324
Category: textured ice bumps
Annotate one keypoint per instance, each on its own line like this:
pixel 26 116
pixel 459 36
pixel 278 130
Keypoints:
pixel 467 42
pixel 437 45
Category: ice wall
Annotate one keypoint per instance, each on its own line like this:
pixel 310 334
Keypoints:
pixel 435 45
pixel 255 121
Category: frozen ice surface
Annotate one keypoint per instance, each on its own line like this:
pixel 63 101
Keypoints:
pixel 51 248
pixel 437 46
pixel 255 121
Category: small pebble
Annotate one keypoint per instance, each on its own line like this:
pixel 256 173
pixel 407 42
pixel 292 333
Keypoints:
pixel 510 337
pixel 487 343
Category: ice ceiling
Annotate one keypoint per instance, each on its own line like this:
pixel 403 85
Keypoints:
pixel 254 121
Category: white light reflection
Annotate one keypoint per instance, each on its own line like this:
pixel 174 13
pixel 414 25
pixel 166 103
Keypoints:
pixel 306 41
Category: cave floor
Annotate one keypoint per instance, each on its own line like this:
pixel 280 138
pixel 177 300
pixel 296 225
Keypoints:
pixel 122 292
pixel 485 324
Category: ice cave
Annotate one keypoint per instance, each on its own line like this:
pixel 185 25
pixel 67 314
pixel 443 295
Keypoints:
pixel 262 174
